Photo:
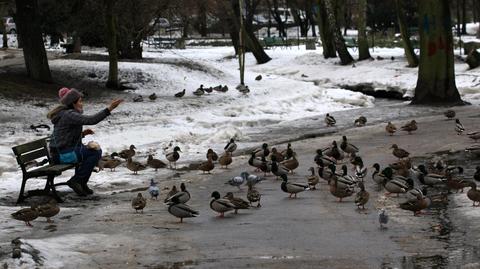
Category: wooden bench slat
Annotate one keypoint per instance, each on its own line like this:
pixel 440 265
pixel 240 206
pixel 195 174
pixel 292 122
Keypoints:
pixel 55 169
pixel 22 159
pixel 20 149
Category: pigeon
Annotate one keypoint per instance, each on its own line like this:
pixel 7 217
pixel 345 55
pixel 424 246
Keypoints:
pixel 450 114
pixel 237 181
pixel 459 127
pixel 153 189
pixel 252 179
pixel 382 218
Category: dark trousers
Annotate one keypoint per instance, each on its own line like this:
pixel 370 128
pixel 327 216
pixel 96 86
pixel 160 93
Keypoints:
pixel 88 159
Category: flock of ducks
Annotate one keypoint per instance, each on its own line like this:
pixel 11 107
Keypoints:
pixel 198 92
pixel 400 177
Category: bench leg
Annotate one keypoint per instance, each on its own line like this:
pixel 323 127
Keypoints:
pixel 50 185
pixel 21 197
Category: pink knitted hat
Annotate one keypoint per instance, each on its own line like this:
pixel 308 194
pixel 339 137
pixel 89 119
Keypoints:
pixel 68 96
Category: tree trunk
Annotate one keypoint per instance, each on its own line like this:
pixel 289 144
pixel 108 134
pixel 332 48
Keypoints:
pixel 464 17
pixel 345 57
pixel 436 74
pixel 111 38
pixel 412 58
pixel 186 23
pixel 325 33
pixel 251 41
pixel 278 19
pixel 310 19
pixel 4 35
pixel 302 22
pixel 28 24
pixel 363 52
pixel 459 18
pixel 202 6
pixel 77 43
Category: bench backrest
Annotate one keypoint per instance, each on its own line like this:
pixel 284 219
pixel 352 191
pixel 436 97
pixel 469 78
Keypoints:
pixel 31 151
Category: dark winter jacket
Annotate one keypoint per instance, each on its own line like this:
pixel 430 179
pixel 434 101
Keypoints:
pixel 67 126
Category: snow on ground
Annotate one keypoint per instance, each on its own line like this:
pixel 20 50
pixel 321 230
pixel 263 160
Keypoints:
pixel 296 84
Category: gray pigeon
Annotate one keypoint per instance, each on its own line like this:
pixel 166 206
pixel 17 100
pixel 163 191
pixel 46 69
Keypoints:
pixel 383 218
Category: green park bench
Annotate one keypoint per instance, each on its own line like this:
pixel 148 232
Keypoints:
pixel 272 42
pixel 164 43
pixel 30 152
pixel 350 42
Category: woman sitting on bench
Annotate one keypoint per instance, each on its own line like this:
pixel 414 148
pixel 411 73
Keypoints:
pixel 68 121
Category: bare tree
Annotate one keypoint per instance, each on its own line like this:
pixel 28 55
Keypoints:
pixel 345 57
pixel 34 52
pixel 412 58
pixel 436 72
pixel 363 51
pixel 326 35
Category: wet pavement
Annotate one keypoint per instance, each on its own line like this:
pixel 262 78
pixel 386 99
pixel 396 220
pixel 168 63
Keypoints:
pixel 313 231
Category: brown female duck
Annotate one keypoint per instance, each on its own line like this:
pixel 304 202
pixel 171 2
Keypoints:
pixel 26 215
pixel 474 194
pixel 206 166
pixel 155 163
pixel 225 159
pixel 410 127
pixel 48 210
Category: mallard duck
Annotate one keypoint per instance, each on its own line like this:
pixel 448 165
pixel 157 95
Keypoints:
pixel 290 164
pixel 183 195
pixel 378 177
pixel 244 89
pixel 396 185
pixel 390 128
pixel 225 160
pixel 152 97
pixel 399 152
pixel 181 210
pixel 476 176
pixel 360 170
pixel 171 193
pixel 137 99
pixel 402 167
pixel 217 88
pixel 361 121
pixel 330 120
pixel 26 215
pixel 410 127
pixel 262 152
pixel 347 147
pixel 110 163
pixel 127 153
pixel 362 196
pixel 155 163
pixel 238 202
pixel 344 179
pixel 277 154
pixel 459 127
pixel 253 196
pixel 288 153
pixel 220 205
pixel 329 173
pixel 412 194
pixel 48 210
pixel 231 146
pixel 135 166
pixel 208 90
pixel 474 135
pixel 456 183
pixel 291 187
pixel 237 181
pixel 416 206
pixel 450 114
pixel 313 179
pixel 382 218
pixel 153 189
pixel 333 152
pixel 259 77
pixel 278 169
pixel 430 179
pixel 139 203
pixel 322 160
pixel 180 93
pixel 259 164
pixel 200 91
pixel 339 190
pixel 212 154
pixel 474 194
pixel 224 89
pixel 173 156
pixel 206 166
